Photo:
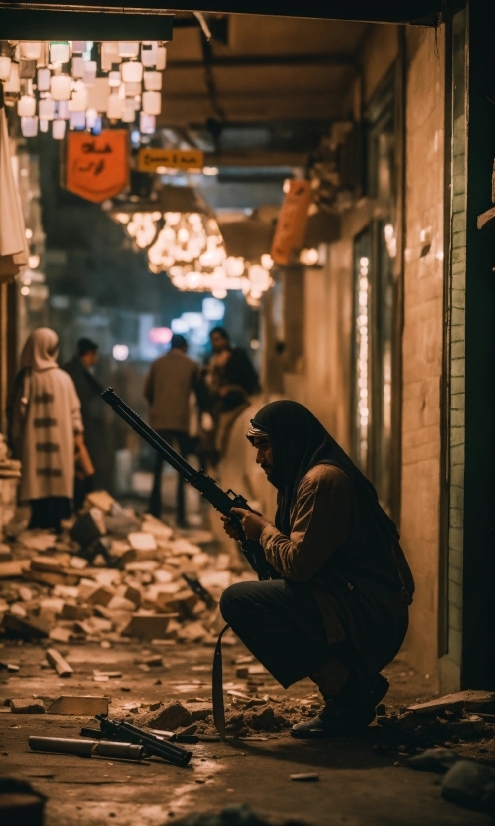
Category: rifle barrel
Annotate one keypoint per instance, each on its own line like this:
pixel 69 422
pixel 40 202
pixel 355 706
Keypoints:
pixel 148 434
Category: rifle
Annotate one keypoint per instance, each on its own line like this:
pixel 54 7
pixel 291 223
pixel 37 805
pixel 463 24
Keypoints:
pixel 222 501
pixel 127 733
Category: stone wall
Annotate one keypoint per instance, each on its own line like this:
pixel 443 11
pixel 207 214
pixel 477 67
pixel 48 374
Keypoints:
pixel 422 339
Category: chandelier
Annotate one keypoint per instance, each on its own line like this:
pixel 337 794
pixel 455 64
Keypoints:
pixel 76 83
pixel 189 247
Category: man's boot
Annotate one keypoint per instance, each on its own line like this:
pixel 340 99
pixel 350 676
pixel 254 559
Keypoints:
pixel 352 709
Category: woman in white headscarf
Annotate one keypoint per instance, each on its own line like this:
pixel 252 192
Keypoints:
pixel 45 429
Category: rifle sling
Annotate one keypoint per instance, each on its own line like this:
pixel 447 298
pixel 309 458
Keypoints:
pixel 217 687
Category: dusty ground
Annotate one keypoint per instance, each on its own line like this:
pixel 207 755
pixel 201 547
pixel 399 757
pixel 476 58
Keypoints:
pixel 356 786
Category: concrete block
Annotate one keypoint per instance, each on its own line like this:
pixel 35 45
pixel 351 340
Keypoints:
pixel 77 705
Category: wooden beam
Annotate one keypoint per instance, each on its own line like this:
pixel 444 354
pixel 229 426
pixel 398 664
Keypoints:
pixel 424 12
pixel 25 23
pixel 241 61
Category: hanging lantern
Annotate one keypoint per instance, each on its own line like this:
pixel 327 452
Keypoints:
pixel 78 120
pixel 46 110
pixel 129 111
pixel 79 100
pixel 115 107
pixel 152 103
pixel 89 72
pixel 152 81
pixel 132 89
pixel 149 52
pixel 91 118
pixel 60 51
pixel 132 71
pixel 13 84
pixel 44 125
pixel 31 51
pixel 78 46
pixel 60 87
pixel 58 129
pixel 44 77
pixel 114 79
pixel 128 49
pixel 161 58
pixel 29 127
pixel 5 67
pixel 63 112
pixel 26 106
pixel 109 54
pixel 77 67
pixel 147 124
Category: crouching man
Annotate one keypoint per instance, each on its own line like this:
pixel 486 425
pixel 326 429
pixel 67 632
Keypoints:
pixel 339 612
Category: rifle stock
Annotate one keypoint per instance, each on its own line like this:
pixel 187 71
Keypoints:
pixel 222 501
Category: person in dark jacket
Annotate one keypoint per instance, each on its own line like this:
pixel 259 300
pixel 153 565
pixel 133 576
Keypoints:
pixel 339 611
pixel 231 380
pixel 93 415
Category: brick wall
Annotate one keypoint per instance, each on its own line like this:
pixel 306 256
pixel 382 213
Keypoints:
pixel 422 340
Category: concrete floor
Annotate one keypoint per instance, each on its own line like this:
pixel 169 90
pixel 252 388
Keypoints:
pixel 355 787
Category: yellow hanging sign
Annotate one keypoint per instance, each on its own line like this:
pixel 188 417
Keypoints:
pixel 150 160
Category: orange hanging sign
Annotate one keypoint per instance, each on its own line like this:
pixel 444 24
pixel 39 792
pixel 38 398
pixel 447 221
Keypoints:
pixel 291 225
pixel 97 165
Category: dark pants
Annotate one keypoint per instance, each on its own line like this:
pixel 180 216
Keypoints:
pixel 47 512
pixel 175 437
pixel 280 622
pixel 81 489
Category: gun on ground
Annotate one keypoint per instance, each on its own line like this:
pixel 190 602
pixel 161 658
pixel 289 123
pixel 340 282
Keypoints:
pixel 127 733
pixel 222 501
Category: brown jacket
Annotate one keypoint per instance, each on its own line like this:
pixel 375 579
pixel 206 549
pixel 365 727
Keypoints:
pixel 169 384
pixel 357 596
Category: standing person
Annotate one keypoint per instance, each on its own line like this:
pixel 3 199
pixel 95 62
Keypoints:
pixel 93 416
pixel 46 427
pixel 339 612
pixel 232 379
pixel 169 384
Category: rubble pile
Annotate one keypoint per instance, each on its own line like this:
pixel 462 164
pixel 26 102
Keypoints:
pixel 112 575
pixel 453 720
pixel 236 815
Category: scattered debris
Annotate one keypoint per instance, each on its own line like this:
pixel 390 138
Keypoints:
pixel 471 785
pixel 87 706
pixel 305 777
pixel 60 665
pixel 27 707
pixel 170 717
pixel 236 815
pixel 433 760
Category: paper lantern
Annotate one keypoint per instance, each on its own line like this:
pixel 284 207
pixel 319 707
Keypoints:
pixel 77 67
pixel 13 84
pixel 129 111
pixel 79 100
pixel 60 87
pixel 63 112
pixel 149 52
pixel 44 77
pixel 128 49
pixel 132 71
pixel 5 67
pixel 161 58
pixel 46 110
pixel 60 51
pixel 152 81
pixel 29 127
pixel 44 125
pixel 114 79
pixel 78 46
pixel 31 51
pixel 26 106
pixel 132 89
pixel 115 107
pixel 58 129
pixel 109 54
pixel 147 123
pixel 91 118
pixel 89 72
pixel 152 103
pixel 78 120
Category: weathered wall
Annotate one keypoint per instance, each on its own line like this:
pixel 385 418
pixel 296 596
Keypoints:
pixel 422 340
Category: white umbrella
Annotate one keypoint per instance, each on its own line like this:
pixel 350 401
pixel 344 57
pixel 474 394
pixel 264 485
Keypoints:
pixel 13 248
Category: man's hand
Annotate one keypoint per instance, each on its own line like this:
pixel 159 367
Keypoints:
pixel 253 524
